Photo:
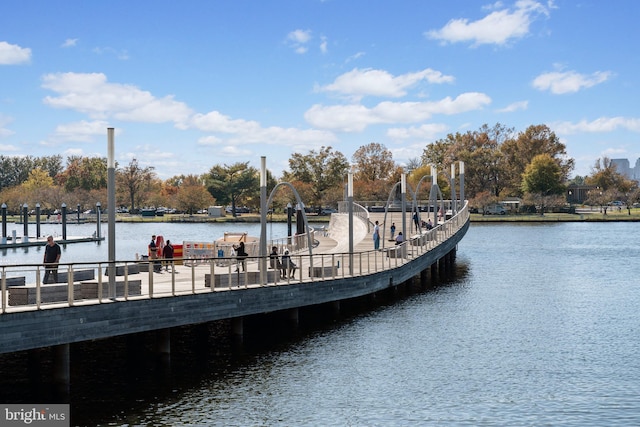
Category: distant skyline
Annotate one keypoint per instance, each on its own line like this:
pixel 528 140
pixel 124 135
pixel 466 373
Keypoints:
pixel 188 85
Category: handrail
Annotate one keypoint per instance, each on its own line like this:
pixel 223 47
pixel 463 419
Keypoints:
pixel 87 282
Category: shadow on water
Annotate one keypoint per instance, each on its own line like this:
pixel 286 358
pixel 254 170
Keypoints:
pixel 114 380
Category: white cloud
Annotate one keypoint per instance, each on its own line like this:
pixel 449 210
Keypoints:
pixel 82 131
pixel 11 54
pixel 250 132
pixel 516 106
pixel 569 81
pixel 499 27
pixel 355 56
pixel 323 45
pixel 93 95
pixel 358 83
pixel 69 43
pixel 603 124
pixel 355 118
pixel 298 40
pixel 424 132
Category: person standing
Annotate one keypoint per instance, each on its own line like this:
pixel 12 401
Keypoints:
pixel 376 236
pixel 393 230
pixel 242 255
pixel 167 254
pixel 51 258
pixel 153 255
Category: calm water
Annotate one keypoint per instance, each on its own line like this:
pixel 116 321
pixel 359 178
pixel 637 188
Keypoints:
pixel 539 326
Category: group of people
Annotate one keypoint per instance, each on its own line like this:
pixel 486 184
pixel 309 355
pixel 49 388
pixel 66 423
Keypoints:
pixel 286 266
pixel 399 239
pixel 157 250
pixel 376 235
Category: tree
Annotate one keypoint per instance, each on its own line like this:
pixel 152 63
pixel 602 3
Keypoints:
pixel 192 195
pixel 324 170
pixel 605 175
pixel 543 175
pixel 543 178
pixel 479 150
pixel 15 170
pixel 374 162
pixel 233 183
pixel 519 152
pixel 87 173
pixel 37 179
pixel 134 180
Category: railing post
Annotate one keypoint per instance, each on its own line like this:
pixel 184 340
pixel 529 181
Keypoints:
pixel 212 269
pixel 151 268
pixel 100 282
pixel 70 284
pixel 3 287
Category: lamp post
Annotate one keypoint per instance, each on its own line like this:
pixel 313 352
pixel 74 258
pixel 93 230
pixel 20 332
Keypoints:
pixel 350 203
pixel 289 215
pixel 111 211
pixel 263 220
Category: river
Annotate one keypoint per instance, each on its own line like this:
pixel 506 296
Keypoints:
pixel 538 325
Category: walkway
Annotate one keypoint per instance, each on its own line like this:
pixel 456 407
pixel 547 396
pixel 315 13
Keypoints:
pixel 145 300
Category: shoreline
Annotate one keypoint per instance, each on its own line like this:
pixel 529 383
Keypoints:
pixel 585 216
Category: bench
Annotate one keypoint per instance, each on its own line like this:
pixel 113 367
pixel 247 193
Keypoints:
pixel 16 281
pixel 23 295
pixel 238 279
pixel 131 269
pixel 325 272
pixel 399 251
pixel 78 276
pixel 89 290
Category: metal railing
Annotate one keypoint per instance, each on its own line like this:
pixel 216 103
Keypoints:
pixel 86 283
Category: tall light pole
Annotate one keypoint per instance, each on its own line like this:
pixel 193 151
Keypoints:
pixel 403 200
pixel 350 204
pixel 111 211
pixel 263 219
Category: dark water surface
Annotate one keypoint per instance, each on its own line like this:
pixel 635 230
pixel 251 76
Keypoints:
pixel 538 326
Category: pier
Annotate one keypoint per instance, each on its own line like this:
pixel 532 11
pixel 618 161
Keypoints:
pixel 106 299
pixel 197 291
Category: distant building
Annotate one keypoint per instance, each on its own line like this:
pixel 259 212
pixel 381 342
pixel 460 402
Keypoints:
pixel 623 167
pixel 578 193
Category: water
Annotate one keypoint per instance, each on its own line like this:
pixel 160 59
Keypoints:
pixel 538 326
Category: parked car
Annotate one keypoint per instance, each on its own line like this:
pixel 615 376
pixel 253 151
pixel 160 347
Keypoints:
pixel 327 211
pixel 494 210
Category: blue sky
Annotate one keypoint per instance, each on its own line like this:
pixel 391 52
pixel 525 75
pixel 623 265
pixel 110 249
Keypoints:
pixel 191 84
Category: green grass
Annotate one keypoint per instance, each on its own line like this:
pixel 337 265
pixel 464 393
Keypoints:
pixel 592 216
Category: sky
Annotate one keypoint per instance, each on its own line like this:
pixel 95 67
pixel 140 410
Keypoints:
pixel 192 84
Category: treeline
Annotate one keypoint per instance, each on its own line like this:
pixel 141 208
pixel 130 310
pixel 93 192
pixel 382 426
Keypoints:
pixel 499 162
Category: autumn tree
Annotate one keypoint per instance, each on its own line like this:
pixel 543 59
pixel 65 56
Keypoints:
pixel 324 170
pixel 85 173
pixel 134 180
pixel 519 152
pixel 605 175
pixel 192 195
